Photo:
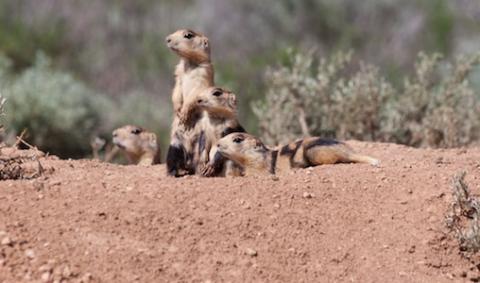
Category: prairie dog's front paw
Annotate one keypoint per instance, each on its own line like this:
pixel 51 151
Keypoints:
pixel 208 171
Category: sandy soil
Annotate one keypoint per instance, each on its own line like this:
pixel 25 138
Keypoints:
pixel 95 222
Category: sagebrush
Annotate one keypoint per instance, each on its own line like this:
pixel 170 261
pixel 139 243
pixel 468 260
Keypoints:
pixel 464 216
pixel 437 107
pixel 309 96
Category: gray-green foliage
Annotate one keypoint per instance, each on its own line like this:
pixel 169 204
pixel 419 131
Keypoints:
pixel 58 111
pixel 437 107
pixel 319 98
pixel 463 219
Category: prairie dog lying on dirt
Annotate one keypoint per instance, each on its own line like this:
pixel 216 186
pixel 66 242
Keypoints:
pixel 139 146
pixel 220 106
pixel 257 159
pixel 193 74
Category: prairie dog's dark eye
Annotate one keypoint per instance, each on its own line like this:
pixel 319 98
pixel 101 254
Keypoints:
pixel 188 35
pixel 238 139
pixel 217 92
pixel 136 131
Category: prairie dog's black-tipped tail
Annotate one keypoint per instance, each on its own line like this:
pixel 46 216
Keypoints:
pixel 354 157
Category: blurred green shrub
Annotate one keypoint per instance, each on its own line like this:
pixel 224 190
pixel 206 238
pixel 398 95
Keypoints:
pixel 20 39
pixel 437 107
pixel 322 97
pixel 306 96
pixel 59 112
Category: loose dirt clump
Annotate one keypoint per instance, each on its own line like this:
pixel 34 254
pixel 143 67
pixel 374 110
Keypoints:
pixel 16 164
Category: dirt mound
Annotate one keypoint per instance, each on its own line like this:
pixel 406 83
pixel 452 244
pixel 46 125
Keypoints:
pixel 16 164
pixel 88 221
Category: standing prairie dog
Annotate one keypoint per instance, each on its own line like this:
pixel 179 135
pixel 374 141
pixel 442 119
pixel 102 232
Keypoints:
pixel 257 159
pixel 139 146
pixel 193 74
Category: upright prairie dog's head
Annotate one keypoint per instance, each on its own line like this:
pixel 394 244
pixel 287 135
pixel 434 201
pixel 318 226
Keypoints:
pixel 218 102
pixel 190 45
pixel 139 145
pixel 243 149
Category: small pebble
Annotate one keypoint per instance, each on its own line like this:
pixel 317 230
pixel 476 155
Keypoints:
pixel 412 249
pixel 6 241
pixel 45 276
pixel 55 183
pixel 86 278
pixel 45 268
pixel 307 195
pixel 30 253
pixel 66 272
pixel 251 252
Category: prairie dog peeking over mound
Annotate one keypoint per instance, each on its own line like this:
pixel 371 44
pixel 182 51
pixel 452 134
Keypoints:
pixel 256 159
pixel 139 146
pixel 219 103
pixel 220 106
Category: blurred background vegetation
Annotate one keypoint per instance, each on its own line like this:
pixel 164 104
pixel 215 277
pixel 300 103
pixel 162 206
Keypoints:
pixel 75 69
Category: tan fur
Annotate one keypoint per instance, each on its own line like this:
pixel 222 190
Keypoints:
pixel 193 73
pixel 139 146
pixel 256 158
pixel 220 106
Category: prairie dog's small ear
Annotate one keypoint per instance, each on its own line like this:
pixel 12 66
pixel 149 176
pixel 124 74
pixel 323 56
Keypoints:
pixel 206 44
pixel 232 101
pixel 137 130
pixel 153 144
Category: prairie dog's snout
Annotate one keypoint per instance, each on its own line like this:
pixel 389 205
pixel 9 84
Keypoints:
pixel 116 140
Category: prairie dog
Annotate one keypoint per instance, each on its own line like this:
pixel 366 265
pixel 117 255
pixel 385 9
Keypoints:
pixel 139 146
pixel 193 74
pixel 257 159
pixel 220 119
